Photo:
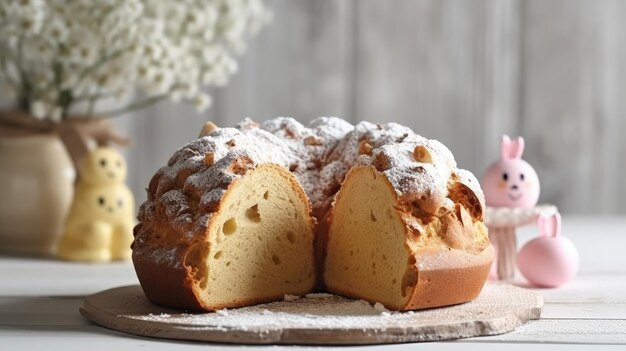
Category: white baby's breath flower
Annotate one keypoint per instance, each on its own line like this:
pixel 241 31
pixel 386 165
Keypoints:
pixel 207 76
pixel 209 54
pixel 220 78
pixel 188 89
pixel 84 53
pixel 194 21
pixel 161 82
pixel 208 34
pixel 27 16
pixel 44 50
pixel 113 47
pixel 211 13
pixel 175 95
pixel 56 31
pixel 201 102
pixel 144 71
pixel 230 65
pixel 153 51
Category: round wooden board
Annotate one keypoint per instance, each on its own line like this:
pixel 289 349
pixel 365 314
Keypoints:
pixel 316 319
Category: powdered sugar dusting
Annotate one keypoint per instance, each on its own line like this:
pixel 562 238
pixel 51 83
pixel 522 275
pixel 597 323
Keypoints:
pixel 166 256
pixel 288 297
pixel 324 311
pixel 190 188
pixel 335 320
pixel 380 307
pixel 331 312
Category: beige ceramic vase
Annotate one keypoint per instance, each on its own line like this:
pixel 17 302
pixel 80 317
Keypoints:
pixel 37 185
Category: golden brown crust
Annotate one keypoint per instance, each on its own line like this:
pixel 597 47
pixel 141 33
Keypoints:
pixel 458 278
pixel 165 284
pixel 173 282
pixel 466 194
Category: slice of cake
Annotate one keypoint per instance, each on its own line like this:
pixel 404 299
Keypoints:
pixel 257 245
pixel 379 252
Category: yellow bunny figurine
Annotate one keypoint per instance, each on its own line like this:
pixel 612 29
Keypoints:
pixel 100 223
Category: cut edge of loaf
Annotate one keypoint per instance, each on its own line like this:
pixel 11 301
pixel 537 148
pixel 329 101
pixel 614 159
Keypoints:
pixel 440 266
pixel 172 274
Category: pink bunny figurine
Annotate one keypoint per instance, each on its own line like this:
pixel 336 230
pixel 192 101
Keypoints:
pixel 549 260
pixel 511 181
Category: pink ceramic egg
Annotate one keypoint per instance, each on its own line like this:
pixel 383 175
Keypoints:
pixel 549 260
pixel 511 181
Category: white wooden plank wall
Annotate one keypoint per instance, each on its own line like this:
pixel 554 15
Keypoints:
pixel 573 106
pixel 463 72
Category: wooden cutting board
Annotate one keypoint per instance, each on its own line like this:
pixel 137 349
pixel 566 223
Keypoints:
pixel 316 319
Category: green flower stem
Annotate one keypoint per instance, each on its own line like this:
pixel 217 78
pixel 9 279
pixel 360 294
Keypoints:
pixel 106 58
pixel 93 96
pixel 91 105
pixel 25 97
pixel 5 72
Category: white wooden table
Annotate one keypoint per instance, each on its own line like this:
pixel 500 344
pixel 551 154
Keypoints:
pixel 39 301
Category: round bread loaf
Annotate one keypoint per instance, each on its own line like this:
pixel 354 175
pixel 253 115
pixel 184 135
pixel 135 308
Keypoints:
pixel 249 214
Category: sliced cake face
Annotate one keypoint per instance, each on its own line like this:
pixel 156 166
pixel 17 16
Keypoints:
pixel 379 250
pixel 367 256
pixel 260 243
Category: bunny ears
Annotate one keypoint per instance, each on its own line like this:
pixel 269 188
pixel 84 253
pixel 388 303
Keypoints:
pixel 512 149
pixel 549 226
